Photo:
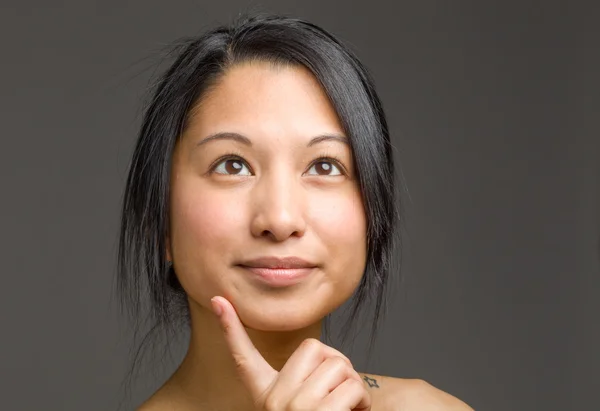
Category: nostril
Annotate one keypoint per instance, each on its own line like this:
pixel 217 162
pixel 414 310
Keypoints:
pixel 281 235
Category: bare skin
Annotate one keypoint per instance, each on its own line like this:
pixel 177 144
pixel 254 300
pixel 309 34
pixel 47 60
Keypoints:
pixel 312 365
pixel 264 169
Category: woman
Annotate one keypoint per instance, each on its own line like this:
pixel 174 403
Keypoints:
pixel 260 197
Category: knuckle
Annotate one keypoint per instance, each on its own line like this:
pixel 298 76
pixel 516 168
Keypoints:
pixel 357 377
pixel 311 344
pixel 356 384
pixel 297 404
pixel 342 365
pixel 343 357
pixel 346 360
pixel 339 363
pixel 272 403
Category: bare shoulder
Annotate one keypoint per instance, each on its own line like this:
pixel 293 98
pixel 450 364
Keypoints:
pixel 395 394
pixel 156 403
pixel 162 400
pixel 149 405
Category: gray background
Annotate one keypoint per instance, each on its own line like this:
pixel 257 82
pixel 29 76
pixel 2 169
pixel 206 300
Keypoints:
pixel 493 108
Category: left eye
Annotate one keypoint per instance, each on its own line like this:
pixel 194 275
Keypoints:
pixel 324 168
pixel 232 166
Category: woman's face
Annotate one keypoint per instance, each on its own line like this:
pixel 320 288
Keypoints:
pixel 275 180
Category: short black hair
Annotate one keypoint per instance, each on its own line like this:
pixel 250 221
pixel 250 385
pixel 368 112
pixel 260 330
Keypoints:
pixel 147 286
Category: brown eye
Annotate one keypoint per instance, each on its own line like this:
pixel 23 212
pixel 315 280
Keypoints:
pixel 232 166
pixel 324 168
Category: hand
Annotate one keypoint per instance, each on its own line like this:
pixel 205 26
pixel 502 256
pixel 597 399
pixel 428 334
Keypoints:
pixel 315 377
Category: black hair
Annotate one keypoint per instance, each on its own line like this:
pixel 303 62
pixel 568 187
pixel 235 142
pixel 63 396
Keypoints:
pixel 148 287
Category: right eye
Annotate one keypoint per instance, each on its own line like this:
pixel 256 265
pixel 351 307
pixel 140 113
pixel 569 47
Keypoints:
pixel 232 166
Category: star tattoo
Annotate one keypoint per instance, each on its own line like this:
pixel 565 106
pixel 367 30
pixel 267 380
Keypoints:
pixel 371 381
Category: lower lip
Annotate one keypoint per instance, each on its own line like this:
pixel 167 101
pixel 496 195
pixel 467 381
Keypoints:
pixel 280 277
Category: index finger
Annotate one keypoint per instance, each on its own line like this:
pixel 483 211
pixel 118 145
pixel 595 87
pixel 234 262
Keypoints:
pixel 256 373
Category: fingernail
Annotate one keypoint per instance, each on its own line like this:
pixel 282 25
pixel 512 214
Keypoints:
pixel 217 309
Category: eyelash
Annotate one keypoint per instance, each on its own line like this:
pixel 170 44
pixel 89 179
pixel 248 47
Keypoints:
pixel 322 158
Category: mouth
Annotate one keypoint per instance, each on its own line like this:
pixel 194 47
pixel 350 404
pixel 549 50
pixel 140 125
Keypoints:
pixel 279 272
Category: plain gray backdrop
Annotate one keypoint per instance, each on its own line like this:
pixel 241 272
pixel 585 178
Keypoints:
pixel 493 107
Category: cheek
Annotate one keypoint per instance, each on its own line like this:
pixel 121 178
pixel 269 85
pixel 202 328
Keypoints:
pixel 204 228
pixel 209 219
pixel 340 223
pixel 343 221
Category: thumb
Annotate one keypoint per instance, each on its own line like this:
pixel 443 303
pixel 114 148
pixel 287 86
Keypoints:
pixel 255 372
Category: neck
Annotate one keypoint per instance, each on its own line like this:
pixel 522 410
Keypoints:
pixel 208 378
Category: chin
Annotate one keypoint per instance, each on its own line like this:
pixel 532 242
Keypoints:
pixel 280 319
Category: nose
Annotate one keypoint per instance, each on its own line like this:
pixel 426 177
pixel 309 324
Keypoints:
pixel 279 207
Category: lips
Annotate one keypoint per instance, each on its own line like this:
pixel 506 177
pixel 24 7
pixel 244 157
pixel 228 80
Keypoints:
pixel 277 262
pixel 279 272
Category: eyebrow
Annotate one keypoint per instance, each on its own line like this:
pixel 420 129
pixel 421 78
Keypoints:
pixel 227 135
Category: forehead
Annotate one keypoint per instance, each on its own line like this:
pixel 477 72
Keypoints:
pixel 265 99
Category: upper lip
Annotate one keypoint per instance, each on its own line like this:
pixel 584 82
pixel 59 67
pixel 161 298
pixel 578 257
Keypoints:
pixel 278 262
